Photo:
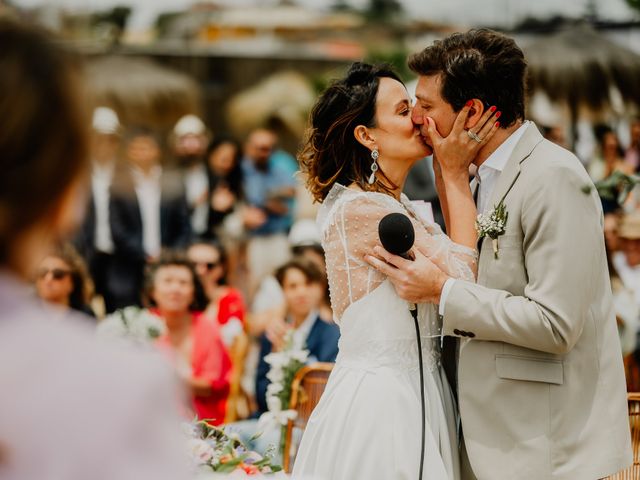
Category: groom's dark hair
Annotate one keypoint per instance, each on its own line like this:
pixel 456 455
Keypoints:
pixel 479 64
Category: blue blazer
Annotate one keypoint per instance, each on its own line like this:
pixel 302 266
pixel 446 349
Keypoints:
pixel 322 344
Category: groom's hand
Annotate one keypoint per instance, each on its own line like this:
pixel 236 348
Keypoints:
pixel 417 281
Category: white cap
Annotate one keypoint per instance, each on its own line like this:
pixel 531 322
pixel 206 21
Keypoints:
pixel 189 125
pixel 105 121
pixel 304 233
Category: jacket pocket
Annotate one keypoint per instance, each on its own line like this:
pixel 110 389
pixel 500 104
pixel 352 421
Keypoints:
pixel 531 369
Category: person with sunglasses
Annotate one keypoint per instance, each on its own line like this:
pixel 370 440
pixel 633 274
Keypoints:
pixel 226 304
pixel 62 280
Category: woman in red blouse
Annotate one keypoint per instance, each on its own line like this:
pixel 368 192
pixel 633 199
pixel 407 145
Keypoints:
pixel 226 304
pixel 192 340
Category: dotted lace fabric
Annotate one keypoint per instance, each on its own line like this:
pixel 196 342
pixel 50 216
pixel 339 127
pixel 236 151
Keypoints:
pixel 348 220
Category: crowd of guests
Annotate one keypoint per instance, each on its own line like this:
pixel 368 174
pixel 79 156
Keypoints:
pixel 203 232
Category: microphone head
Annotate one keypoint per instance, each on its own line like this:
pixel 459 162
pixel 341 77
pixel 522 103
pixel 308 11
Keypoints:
pixel 396 233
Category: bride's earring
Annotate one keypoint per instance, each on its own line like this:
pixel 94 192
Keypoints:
pixel 374 166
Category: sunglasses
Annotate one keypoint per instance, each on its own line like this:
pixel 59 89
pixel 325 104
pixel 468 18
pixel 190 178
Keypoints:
pixel 56 273
pixel 208 266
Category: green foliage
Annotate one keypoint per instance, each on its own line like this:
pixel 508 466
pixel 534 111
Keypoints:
pixel 635 4
pixel 383 10
pixel 396 57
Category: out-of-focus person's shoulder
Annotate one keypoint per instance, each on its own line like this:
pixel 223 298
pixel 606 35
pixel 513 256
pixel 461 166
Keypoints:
pixel 75 406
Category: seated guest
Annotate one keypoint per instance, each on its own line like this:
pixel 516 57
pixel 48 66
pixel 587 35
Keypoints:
pixel 148 212
pixel 299 279
pixel 192 341
pixel 225 303
pixel 62 280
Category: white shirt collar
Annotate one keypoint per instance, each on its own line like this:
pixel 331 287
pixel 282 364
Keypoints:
pixel 301 333
pixel 499 158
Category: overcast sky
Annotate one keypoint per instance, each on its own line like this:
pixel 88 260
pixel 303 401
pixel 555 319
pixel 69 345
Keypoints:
pixel 470 12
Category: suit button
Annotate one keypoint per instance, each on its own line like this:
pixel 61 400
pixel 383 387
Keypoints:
pixel 457 332
pixel 471 334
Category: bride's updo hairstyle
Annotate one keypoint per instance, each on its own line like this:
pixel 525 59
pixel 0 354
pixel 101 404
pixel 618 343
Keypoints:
pixel 331 154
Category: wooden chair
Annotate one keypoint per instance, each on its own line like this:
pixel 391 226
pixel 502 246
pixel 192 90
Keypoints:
pixel 237 402
pixel 306 390
pixel 633 472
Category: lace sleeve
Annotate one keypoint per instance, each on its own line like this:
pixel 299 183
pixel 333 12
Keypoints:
pixel 350 231
pixel 456 260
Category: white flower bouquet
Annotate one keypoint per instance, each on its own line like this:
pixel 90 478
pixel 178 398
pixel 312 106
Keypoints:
pixel 131 323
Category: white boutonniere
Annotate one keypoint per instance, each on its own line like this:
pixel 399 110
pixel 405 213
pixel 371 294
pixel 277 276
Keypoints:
pixel 493 225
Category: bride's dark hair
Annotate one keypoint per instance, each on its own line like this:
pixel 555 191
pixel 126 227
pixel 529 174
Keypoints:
pixel 331 152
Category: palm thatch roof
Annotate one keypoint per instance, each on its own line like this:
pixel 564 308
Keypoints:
pixel 583 69
pixel 142 92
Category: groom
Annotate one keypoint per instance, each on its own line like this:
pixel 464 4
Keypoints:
pixel 540 380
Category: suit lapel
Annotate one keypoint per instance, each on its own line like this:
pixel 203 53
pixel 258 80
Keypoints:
pixel 530 139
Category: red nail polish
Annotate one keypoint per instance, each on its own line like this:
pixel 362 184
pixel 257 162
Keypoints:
pixel 469 103
pixel 497 124
pixel 498 115
pixel 492 109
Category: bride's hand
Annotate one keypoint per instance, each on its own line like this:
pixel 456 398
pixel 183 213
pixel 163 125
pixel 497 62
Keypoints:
pixel 455 152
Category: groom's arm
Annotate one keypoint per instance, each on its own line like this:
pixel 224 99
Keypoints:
pixel 563 247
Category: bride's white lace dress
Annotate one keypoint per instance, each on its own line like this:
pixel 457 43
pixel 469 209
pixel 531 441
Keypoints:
pixel 367 424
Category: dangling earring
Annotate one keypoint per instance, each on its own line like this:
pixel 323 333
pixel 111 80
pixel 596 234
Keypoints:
pixel 374 166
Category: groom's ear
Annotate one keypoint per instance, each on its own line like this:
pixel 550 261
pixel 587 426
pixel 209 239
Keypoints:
pixel 475 113
pixel 363 136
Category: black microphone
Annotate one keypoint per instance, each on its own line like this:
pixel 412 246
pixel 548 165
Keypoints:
pixel 397 234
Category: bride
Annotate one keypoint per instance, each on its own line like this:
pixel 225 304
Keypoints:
pixel 360 147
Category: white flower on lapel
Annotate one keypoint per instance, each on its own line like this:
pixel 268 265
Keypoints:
pixel 493 225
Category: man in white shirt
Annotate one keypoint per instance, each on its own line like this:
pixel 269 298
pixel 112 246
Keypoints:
pixel 95 241
pixel 541 385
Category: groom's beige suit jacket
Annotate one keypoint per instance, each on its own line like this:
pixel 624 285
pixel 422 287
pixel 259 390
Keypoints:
pixel 540 378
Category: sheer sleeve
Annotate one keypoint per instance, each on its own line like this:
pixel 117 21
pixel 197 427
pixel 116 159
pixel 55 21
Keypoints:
pixel 458 261
pixel 348 220
pixel 349 224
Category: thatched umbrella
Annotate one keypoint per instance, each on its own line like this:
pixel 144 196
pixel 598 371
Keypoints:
pixel 142 92
pixel 583 70
pixel 282 101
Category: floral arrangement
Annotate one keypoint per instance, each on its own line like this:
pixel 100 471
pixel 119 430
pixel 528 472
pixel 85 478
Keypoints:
pixel 211 449
pixel 284 366
pixel 131 323
pixel 493 225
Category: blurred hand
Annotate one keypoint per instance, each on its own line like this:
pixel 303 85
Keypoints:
pixel 254 217
pixel 222 199
pixel 277 207
pixel 276 330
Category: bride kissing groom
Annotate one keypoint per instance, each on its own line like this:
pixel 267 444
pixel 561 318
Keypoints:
pixel 540 381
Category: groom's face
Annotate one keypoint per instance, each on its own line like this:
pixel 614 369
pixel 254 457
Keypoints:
pixel 430 103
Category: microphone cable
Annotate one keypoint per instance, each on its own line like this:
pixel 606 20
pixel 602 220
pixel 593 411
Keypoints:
pixel 414 314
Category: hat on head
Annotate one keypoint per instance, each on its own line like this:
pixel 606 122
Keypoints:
pixel 304 233
pixel 105 121
pixel 189 125
pixel 629 226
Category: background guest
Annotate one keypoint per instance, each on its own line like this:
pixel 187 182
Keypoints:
pixel 148 212
pixel 95 241
pixel 269 190
pixel 62 280
pixel 190 138
pixel 609 156
pixel 192 341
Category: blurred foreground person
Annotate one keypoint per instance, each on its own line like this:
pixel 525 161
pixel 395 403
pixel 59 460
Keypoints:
pixel 62 280
pixel 192 340
pixel 71 408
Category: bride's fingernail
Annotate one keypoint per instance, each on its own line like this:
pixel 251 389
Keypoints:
pixel 469 103
pixel 492 109
pixel 498 114
pixel 497 124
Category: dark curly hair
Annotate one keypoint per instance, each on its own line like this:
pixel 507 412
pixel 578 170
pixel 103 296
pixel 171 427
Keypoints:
pixel 479 64
pixel 331 154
